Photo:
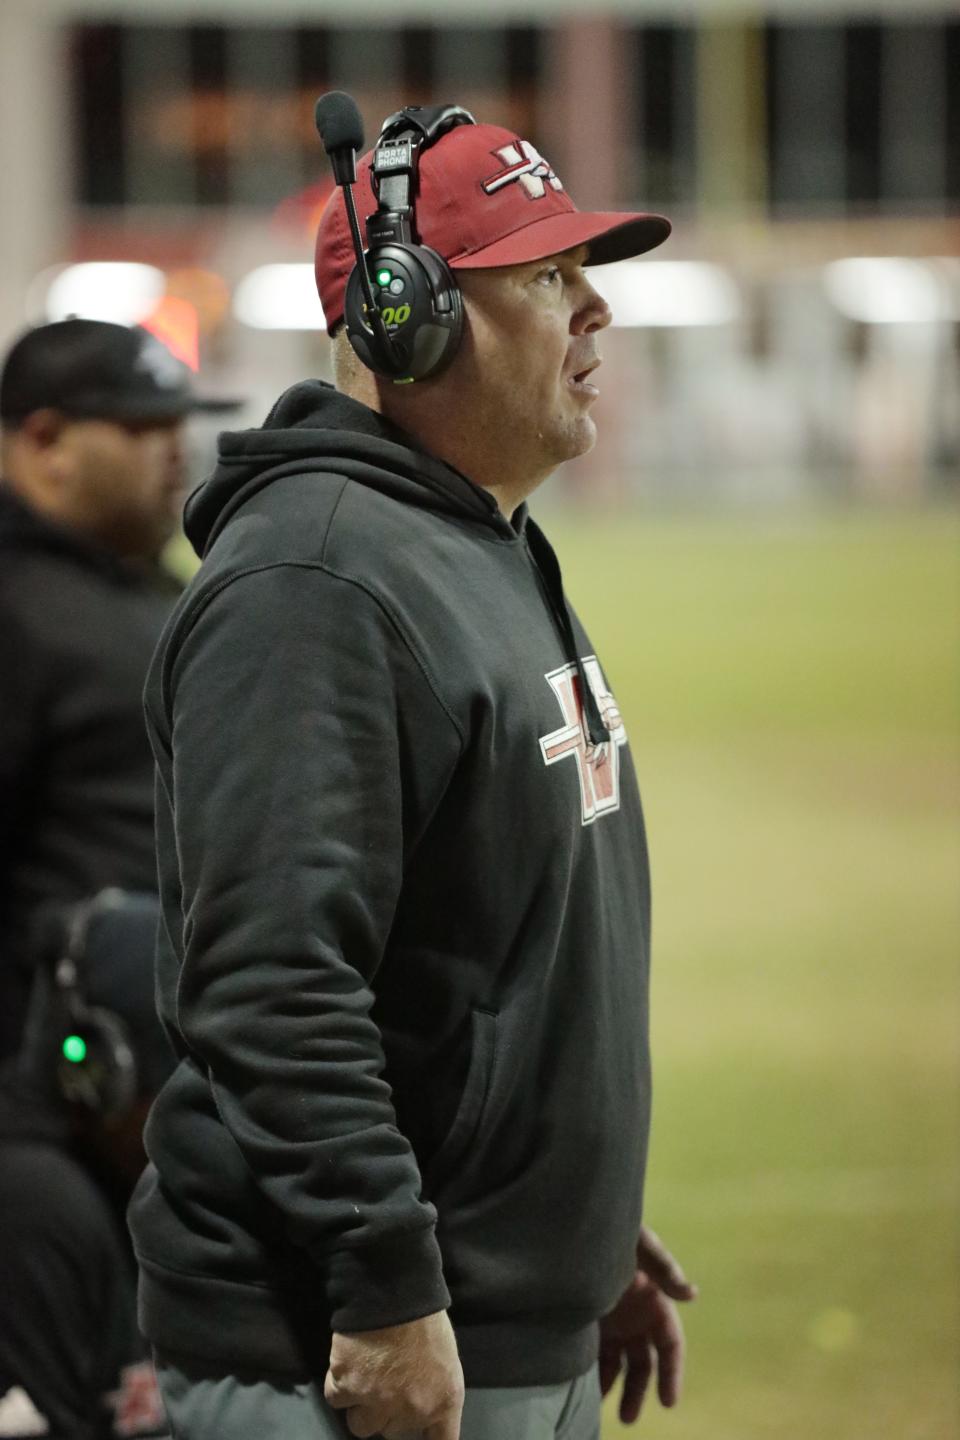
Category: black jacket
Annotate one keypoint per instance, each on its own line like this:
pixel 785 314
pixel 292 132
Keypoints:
pixel 73 1365
pixel 405 960
pixel 77 629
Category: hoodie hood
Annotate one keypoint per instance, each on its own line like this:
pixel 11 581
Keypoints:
pixel 314 427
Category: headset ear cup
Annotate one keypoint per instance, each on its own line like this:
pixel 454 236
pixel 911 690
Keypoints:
pixel 433 356
pixel 425 319
pixel 364 341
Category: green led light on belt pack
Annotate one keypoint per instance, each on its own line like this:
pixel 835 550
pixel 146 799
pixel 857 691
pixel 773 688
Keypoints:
pixel 74 1049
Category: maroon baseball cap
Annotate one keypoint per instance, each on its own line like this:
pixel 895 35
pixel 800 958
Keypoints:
pixel 485 198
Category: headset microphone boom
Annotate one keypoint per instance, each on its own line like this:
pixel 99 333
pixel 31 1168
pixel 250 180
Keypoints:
pixel 340 127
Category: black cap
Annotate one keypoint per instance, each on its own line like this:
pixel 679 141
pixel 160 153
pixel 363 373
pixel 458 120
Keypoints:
pixel 94 370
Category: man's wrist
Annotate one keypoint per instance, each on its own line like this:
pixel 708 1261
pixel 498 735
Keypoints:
pixel 386 1283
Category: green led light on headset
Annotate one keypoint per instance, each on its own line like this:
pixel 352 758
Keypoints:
pixel 384 277
pixel 74 1049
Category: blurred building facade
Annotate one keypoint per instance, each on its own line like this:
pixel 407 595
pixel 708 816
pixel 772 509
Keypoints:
pixel 798 334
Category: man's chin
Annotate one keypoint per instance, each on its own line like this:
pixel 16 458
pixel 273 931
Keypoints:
pixel 580 438
pixel 564 442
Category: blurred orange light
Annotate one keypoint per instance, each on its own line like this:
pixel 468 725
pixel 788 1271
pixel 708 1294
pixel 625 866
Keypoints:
pixel 205 290
pixel 175 322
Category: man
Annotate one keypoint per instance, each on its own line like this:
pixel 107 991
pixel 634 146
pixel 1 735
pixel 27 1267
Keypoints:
pixel 405 888
pixel 92 473
pixel 72 1362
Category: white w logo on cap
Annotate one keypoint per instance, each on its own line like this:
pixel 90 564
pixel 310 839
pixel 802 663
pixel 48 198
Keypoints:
pixel 523 163
pixel 163 368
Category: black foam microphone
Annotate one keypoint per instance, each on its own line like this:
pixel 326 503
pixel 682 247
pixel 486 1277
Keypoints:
pixel 340 126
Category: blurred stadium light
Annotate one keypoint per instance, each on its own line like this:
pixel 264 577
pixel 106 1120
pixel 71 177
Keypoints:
pixel 279 297
pixel 640 293
pixel 120 291
pixel 888 291
pixel 667 293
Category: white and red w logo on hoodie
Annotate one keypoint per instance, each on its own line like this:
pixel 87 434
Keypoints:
pixel 598 766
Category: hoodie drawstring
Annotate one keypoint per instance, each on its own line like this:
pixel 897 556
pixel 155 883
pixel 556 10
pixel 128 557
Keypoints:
pixel 548 568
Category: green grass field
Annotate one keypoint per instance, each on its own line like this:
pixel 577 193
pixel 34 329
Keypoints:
pixel 791 687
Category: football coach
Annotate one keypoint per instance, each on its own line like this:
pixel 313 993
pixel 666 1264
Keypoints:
pixel 397 1175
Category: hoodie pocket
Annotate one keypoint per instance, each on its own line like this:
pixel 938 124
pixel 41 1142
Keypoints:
pixel 467 1121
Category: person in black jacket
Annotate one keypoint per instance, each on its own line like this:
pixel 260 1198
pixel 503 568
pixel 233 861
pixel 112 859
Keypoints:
pixel 396 1178
pixel 92 474
pixel 72 1361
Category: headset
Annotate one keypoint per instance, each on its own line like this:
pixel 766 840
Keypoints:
pixel 85 1049
pixel 403 309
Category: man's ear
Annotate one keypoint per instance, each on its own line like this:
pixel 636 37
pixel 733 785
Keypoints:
pixel 43 427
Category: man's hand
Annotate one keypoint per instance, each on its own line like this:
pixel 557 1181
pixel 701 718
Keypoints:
pixel 405 1379
pixel 645 1321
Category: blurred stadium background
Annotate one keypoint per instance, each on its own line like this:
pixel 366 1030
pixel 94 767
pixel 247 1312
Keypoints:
pixel 764 543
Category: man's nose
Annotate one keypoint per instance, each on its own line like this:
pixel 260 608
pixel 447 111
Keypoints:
pixel 594 314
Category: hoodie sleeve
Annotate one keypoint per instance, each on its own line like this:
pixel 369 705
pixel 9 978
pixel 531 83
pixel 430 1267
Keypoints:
pixel 296 793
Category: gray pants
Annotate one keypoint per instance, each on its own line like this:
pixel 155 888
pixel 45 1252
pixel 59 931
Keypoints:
pixel 224 1408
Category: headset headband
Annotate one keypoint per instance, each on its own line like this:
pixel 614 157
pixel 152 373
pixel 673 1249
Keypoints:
pixel 395 171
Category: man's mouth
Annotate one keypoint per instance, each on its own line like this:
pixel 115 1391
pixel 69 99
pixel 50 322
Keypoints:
pixel 581 382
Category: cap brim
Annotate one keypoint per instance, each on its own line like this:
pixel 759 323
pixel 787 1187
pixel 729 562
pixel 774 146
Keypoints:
pixel 217 405
pixel 611 235
pixel 144 408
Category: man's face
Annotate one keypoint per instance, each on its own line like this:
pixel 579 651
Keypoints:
pixel 126 481
pixel 528 354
